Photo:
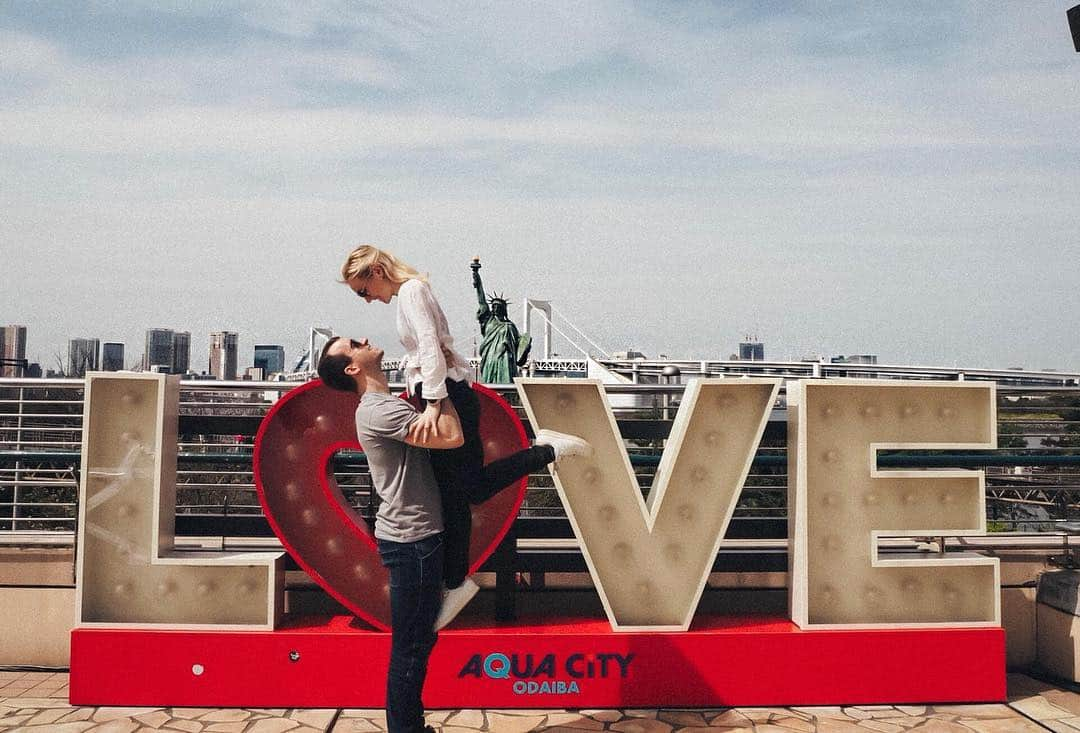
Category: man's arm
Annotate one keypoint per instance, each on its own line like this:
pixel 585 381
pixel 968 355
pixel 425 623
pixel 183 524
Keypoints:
pixel 449 431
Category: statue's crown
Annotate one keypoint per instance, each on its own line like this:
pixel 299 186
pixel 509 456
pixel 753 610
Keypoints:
pixel 497 298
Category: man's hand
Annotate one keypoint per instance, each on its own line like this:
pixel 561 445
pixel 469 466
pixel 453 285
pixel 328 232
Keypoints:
pixel 427 425
pixel 438 427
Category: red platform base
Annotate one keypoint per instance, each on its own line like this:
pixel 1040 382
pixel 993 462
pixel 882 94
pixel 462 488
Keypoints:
pixel 561 663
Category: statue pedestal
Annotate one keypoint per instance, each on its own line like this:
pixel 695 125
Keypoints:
pixel 541 662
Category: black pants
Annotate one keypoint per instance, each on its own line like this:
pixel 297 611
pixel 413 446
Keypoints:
pixel 415 598
pixel 464 479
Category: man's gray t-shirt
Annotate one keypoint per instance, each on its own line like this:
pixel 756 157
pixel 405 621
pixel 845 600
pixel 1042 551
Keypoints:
pixel 401 473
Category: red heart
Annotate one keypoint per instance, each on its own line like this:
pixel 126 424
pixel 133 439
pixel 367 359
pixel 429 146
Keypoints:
pixel 307 511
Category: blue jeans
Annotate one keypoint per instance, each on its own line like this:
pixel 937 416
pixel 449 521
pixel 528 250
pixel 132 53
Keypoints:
pixel 416 582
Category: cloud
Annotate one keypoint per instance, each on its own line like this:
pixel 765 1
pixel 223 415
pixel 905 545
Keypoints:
pixel 803 171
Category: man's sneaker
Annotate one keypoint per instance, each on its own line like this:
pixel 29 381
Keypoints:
pixel 564 445
pixel 453 600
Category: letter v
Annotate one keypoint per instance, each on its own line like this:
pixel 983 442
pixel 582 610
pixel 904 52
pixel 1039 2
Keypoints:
pixel 650 559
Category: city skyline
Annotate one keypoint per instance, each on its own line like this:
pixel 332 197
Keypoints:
pixel 836 178
pixel 89 353
pixel 750 348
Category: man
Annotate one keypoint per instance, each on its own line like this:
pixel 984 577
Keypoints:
pixel 410 527
pixel 409 524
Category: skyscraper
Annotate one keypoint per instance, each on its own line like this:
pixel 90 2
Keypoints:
pixel 82 356
pixel 159 349
pixel 12 349
pixel 223 354
pixel 181 360
pixel 112 356
pixel 752 351
pixel 270 358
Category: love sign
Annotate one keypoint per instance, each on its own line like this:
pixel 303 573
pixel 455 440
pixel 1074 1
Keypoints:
pixel 649 557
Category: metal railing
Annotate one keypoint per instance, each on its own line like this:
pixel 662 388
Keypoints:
pixel 1033 479
pixel 654 370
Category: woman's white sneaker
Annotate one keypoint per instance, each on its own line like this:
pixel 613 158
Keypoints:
pixel 564 445
pixel 455 599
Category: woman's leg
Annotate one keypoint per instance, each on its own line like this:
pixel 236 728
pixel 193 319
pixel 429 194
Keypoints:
pixel 464 479
pixel 482 482
pixel 499 474
pixel 463 467
pixel 453 471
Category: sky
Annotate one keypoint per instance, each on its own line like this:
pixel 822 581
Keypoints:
pixel 890 178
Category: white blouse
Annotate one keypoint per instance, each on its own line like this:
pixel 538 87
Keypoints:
pixel 429 348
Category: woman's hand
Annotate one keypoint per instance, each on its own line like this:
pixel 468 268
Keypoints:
pixel 427 425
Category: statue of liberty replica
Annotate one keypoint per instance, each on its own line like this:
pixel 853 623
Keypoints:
pixel 503 350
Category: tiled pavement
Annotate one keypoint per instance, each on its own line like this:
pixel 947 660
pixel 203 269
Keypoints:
pixel 37 701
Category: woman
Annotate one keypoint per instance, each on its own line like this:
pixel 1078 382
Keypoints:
pixel 434 372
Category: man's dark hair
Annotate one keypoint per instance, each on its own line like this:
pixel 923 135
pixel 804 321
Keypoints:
pixel 332 369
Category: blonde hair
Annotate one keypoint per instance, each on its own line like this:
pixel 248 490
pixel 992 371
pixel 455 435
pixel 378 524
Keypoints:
pixel 363 258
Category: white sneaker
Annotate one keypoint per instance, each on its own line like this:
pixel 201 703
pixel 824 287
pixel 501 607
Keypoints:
pixel 564 445
pixel 453 600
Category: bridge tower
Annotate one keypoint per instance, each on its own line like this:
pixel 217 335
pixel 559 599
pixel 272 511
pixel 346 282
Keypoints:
pixel 544 306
